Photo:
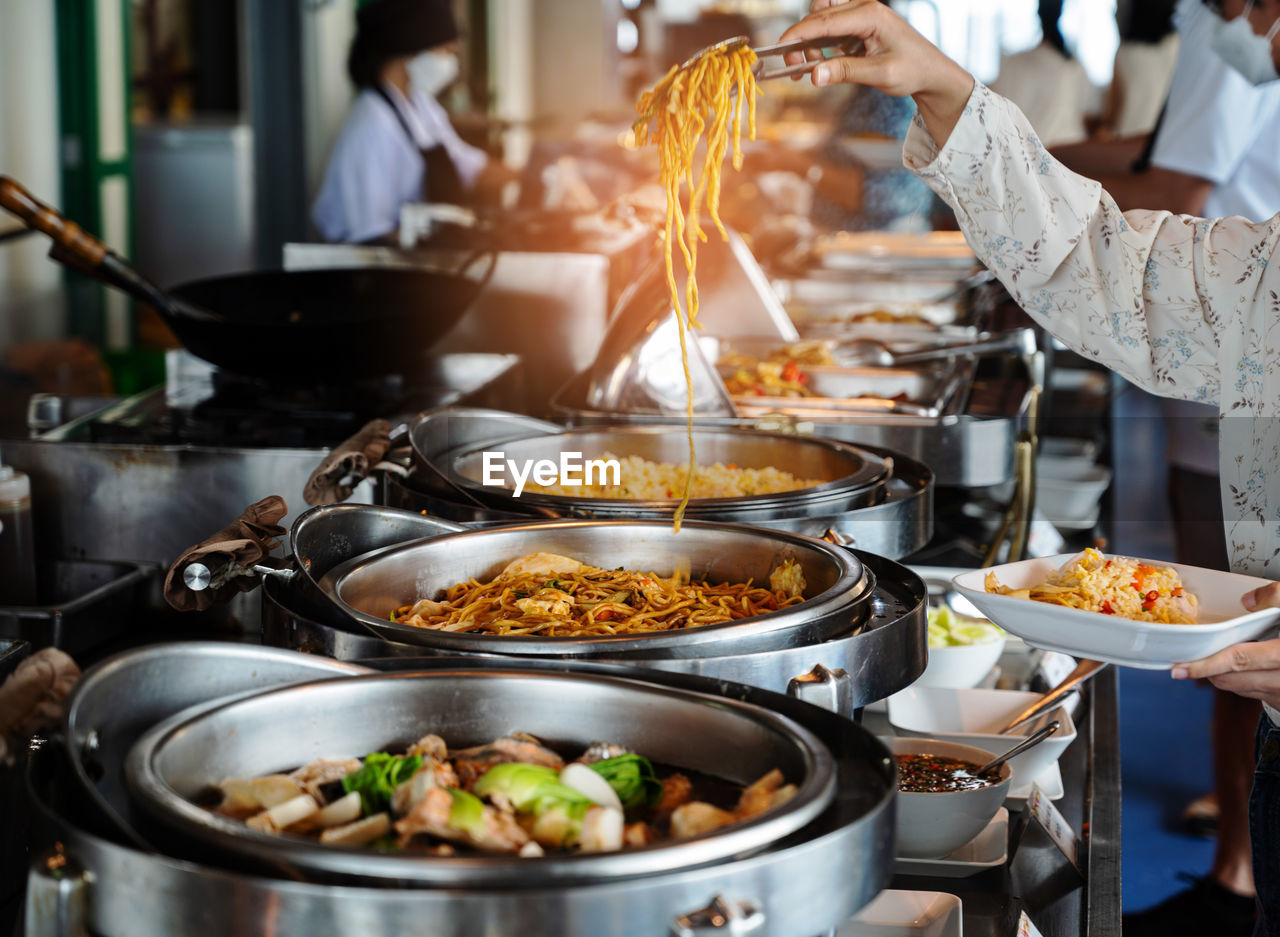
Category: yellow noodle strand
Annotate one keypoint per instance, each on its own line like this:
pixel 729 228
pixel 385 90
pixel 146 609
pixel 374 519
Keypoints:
pixel 686 104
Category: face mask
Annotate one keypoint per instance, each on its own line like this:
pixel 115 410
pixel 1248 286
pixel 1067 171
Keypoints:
pixel 432 72
pixel 1244 50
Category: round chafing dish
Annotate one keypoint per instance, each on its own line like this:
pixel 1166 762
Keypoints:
pixel 873 660
pixel 879 648
pixel 848 477
pixel 278 730
pixel 876 499
pixel 369 588
pixel 805 884
pixel 156 681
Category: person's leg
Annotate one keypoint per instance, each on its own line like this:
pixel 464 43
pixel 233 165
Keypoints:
pixel 1235 721
pixel 1264 828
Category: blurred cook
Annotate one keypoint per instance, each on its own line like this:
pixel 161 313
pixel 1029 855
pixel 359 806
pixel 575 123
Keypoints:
pixel 397 145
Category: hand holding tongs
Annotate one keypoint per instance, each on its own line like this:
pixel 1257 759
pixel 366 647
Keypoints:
pixel 847 45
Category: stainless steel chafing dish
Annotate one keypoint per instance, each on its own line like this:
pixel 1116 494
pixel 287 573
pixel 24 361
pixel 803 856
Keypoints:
pixel 838 587
pixel 874 499
pixel 181 758
pixel 849 477
pixel 807 883
pixel 637 378
pixel 864 642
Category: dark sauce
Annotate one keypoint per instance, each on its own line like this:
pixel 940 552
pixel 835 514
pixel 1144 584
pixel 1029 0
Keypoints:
pixel 935 774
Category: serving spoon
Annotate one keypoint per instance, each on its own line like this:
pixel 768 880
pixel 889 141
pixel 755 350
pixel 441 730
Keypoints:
pixel 1031 741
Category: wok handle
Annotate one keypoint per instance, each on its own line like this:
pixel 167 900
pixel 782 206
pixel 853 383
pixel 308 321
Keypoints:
pixel 83 247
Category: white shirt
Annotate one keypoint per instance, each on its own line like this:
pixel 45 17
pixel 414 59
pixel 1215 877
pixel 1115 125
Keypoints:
pixel 1220 127
pixel 1143 72
pixel 1183 307
pixel 375 168
pixel 1052 90
pixel 1217 126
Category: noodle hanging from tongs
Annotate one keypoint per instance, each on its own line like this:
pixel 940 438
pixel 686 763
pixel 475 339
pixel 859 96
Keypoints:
pixel 691 99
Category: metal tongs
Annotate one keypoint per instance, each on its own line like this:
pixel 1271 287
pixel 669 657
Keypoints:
pixel 845 45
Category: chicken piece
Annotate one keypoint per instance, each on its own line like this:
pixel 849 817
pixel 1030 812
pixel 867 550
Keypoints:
pixel 677 790
pixel 310 777
pixel 432 774
pixel 473 762
pixel 497 832
pixel 787 579
pixel 638 834
pixel 542 564
pixel 763 795
pixel 696 818
pixel 547 602
pixel 242 797
pixel 420 610
pixel 429 746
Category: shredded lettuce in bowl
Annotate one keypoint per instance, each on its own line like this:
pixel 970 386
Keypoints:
pixel 948 629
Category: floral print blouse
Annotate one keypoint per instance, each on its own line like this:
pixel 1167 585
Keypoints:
pixel 1183 307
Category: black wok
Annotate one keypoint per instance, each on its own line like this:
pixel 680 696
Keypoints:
pixel 320 325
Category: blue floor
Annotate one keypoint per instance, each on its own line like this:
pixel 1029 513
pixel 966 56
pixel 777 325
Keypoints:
pixel 1165 757
pixel 1164 765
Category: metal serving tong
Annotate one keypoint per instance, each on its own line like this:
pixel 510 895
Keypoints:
pixel 1070 684
pixel 845 45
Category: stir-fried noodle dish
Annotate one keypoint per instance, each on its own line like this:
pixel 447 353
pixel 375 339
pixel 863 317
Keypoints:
pixel 693 100
pixel 511 795
pixel 1114 585
pixel 548 595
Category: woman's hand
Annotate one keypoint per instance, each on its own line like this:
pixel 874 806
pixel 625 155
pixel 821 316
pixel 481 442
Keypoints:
pixel 1251 669
pixel 898 60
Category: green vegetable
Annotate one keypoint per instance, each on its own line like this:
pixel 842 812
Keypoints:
pixel 377 780
pixel 632 779
pixel 531 789
pixel 467 813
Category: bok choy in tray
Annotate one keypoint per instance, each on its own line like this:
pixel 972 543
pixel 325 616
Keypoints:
pixel 511 795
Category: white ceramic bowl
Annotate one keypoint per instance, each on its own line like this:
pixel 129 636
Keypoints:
pixel 961 665
pixel 932 825
pixel 1068 491
pixel 973 717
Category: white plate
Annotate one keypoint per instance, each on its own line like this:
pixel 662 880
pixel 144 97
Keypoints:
pixel 1118 640
pixel 987 850
pixel 1050 781
pixel 896 913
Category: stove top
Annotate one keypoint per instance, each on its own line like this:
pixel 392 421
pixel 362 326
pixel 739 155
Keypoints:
pixel 200 405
